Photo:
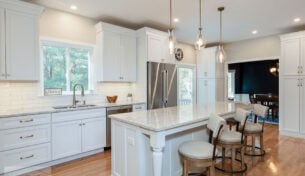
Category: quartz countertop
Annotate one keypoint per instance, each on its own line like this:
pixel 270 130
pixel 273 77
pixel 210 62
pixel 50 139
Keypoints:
pixel 167 118
pixel 5 113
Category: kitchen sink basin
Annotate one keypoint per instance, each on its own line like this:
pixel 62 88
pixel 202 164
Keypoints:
pixel 73 107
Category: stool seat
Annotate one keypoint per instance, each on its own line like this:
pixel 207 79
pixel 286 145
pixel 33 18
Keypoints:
pixel 230 136
pixel 197 149
pixel 253 127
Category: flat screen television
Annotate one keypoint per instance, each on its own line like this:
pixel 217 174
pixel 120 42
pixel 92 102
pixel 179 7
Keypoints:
pixel 255 77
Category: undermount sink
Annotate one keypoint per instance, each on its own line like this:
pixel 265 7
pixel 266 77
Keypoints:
pixel 73 107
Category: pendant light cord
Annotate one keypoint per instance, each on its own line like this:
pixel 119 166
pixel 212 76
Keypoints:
pixel 170 16
pixel 200 20
pixel 220 27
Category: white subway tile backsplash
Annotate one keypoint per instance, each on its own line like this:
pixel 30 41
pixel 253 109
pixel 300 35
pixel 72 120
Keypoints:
pixel 26 95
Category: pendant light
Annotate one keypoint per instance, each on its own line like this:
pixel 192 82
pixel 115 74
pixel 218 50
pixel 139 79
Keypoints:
pixel 171 44
pixel 221 55
pixel 200 43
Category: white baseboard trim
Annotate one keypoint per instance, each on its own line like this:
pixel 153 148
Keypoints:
pixel 52 163
pixel 292 134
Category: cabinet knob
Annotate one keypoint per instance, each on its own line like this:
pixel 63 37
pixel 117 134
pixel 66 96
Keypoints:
pixel 8 74
pixel 83 124
pixel 3 74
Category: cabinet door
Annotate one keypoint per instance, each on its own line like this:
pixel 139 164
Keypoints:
pixel 128 58
pixel 290 105
pixel 2 45
pixel 202 91
pixel 202 64
pixel 302 104
pixel 93 134
pixel 155 49
pixel 66 139
pixel 290 59
pixel 302 60
pixel 111 57
pixel 21 46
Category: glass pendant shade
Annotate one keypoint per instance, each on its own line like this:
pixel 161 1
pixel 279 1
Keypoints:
pixel 200 43
pixel 171 44
pixel 221 54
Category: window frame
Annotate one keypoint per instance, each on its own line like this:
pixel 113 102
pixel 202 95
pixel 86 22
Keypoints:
pixel 67 44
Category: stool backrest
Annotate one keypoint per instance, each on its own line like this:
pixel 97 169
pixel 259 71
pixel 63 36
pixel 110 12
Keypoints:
pixel 214 124
pixel 260 110
pixel 241 115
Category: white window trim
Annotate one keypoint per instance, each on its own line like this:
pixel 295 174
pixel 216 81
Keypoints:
pixel 67 43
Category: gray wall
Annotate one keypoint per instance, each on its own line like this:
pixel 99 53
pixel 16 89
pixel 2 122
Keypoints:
pixel 253 49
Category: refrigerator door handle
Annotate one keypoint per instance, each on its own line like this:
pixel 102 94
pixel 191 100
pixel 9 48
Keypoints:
pixel 166 87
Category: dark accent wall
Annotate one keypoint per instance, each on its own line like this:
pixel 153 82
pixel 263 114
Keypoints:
pixel 255 77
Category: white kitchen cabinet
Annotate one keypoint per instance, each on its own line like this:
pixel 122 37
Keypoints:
pixel 12 160
pixel 207 66
pixel 93 134
pixel 290 106
pixel 139 107
pixel 155 46
pixel 116 53
pixel 291 49
pixel 292 85
pixel 66 139
pixel 210 90
pixel 75 132
pixel 19 41
pixel 210 77
pixel 2 44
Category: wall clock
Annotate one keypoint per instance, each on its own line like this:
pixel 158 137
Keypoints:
pixel 178 54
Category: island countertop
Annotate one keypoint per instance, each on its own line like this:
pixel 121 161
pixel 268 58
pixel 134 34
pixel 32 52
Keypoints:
pixel 172 117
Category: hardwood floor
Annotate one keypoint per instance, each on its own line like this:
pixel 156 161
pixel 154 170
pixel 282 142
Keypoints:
pixel 284 156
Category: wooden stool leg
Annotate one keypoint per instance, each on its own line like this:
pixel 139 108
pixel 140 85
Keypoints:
pixel 242 154
pixel 223 157
pixel 185 168
pixel 253 144
pixel 232 158
pixel 262 144
pixel 212 169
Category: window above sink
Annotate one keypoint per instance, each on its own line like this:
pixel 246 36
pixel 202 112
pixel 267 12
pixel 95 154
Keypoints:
pixel 65 64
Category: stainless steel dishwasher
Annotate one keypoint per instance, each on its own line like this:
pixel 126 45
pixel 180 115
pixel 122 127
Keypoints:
pixel 114 110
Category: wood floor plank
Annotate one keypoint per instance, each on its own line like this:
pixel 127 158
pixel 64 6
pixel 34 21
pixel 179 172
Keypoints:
pixel 284 156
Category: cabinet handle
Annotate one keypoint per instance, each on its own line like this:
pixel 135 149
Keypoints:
pixel 26 121
pixel 80 124
pixel 3 74
pixel 8 74
pixel 83 124
pixel 24 137
pixel 26 157
pixel 138 108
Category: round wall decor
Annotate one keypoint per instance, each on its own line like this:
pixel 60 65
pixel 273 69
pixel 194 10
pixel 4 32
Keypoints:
pixel 178 54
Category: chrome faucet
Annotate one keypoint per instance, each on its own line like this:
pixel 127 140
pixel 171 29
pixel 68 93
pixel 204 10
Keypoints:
pixel 74 97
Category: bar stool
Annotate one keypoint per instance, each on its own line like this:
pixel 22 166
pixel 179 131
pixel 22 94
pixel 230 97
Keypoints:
pixel 232 140
pixel 201 153
pixel 254 129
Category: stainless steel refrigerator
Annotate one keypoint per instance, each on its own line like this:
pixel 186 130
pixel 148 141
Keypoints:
pixel 161 85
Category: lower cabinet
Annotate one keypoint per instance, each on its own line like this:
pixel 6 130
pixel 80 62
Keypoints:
pixel 66 139
pixel 12 160
pixel 74 137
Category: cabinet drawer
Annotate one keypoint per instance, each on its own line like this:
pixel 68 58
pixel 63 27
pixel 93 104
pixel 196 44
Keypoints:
pixel 138 107
pixel 24 121
pixel 22 137
pixel 20 158
pixel 78 115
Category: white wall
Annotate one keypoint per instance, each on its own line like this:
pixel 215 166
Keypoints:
pixel 252 49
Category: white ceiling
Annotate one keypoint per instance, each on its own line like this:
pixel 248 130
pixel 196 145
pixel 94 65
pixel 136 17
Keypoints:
pixel 240 17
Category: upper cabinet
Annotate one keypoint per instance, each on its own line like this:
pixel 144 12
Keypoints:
pixel 116 53
pixel 19 42
pixel 207 67
pixel 293 54
pixel 153 45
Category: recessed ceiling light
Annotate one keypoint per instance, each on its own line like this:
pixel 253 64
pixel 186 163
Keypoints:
pixel 254 32
pixel 176 20
pixel 297 20
pixel 73 7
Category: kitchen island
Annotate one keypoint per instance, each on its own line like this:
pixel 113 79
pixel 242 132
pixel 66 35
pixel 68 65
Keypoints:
pixel 146 142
